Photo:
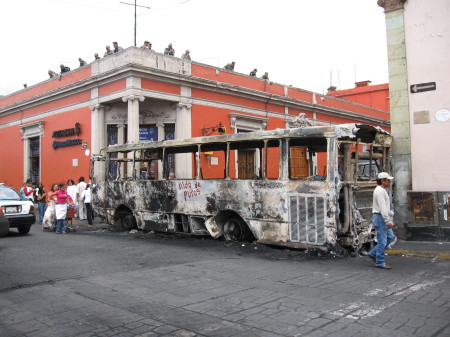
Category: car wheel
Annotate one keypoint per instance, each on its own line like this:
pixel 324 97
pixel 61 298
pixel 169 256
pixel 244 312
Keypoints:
pixel 4 229
pixel 23 229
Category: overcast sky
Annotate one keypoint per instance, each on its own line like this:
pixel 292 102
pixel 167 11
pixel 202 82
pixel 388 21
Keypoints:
pixel 309 44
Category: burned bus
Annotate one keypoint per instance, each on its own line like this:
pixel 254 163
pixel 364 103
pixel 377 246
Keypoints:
pixel 298 187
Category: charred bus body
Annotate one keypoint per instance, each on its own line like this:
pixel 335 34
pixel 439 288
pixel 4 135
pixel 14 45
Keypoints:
pixel 301 189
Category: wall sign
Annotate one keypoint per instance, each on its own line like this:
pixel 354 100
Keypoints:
pixel 148 134
pixel 65 143
pixel 421 87
pixel 68 132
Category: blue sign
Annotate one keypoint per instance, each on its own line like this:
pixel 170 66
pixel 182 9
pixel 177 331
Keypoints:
pixel 148 134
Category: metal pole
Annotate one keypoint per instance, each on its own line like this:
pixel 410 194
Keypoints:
pixel 135 16
pixel 135 7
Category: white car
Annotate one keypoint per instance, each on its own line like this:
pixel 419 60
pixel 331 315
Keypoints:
pixel 18 211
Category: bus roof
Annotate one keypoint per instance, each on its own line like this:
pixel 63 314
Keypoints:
pixel 367 134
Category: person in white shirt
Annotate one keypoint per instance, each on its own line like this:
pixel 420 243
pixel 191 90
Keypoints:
pixel 81 207
pixel 86 197
pixel 72 190
pixel 382 219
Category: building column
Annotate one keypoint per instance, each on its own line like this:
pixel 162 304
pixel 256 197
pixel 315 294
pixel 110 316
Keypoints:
pixel 120 134
pixel 160 127
pixel 183 129
pixel 133 116
pixel 400 116
pixel 98 127
pixel 98 136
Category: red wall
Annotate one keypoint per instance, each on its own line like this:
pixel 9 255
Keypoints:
pixel 59 168
pixel 160 86
pixel 44 87
pixel 238 79
pixel 112 87
pixel 57 165
pixel 375 96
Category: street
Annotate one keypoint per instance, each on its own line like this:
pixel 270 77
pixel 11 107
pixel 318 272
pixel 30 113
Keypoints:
pixel 99 283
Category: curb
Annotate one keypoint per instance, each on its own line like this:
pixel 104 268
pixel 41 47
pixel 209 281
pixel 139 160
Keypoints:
pixel 444 255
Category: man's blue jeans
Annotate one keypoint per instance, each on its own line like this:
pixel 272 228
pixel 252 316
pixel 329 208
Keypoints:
pixel 42 208
pixel 384 237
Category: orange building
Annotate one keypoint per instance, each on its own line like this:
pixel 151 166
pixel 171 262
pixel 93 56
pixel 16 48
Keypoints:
pixel 50 130
pixel 376 96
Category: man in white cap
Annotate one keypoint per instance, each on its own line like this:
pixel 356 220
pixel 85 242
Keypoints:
pixel 382 219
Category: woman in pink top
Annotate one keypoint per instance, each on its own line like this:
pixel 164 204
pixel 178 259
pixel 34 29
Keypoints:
pixel 62 199
pixel 50 216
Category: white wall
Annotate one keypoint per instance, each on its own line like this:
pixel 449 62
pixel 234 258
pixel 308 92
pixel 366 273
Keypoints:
pixel 427 34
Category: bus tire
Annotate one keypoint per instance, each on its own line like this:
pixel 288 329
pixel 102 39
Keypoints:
pixel 235 230
pixel 129 222
pixel 124 221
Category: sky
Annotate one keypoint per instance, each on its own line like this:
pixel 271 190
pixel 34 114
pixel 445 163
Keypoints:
pixel 307 44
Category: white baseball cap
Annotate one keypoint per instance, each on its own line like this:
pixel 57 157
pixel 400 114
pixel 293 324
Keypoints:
pixel 384 175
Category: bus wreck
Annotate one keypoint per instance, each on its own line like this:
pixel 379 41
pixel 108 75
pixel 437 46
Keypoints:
pixel 300 187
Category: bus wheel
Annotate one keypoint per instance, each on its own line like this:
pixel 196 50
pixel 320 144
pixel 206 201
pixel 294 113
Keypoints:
pixel 124 221
pixel 128 222
pixel 234 230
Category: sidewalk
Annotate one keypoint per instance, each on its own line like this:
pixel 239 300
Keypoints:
pixel 427 249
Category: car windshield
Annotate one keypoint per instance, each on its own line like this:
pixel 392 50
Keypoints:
pixel 9 194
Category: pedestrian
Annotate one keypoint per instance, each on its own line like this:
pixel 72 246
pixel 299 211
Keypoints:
pixel 86 197
pixel 82 62
pixel 186 55
pixel 51 73
pixel 25 85
pixel 72 190
pixel 96 56
pixel 64 69
pixel 27 190
pixel 81 208
pixel 108 51
pixel 93 182
pixel 147 45
pixel 169 50
pixel 253 72
pixel 117 48
pixel 62 200
pixel 42 203
pixel 230 66
pixel 265 76
pixel 382 219
pixel 50 216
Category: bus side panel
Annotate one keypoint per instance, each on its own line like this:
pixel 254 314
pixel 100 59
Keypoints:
pixel 264 205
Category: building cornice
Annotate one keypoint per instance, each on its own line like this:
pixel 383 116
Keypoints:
pixel 391 5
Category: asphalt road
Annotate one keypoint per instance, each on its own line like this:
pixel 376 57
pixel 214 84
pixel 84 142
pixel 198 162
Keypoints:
pixel 99 283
